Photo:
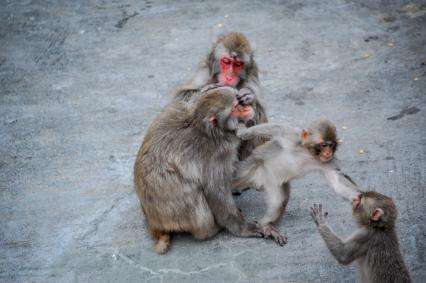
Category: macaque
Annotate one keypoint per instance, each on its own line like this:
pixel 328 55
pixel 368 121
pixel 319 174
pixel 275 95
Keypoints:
pixel 230 62
pixel 374 245
pixel 290 153
pixel 183 171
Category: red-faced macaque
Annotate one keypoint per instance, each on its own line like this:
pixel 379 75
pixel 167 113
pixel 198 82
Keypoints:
pixel 374 245
pixel 230 62
pixel 183 171
pixel 290 153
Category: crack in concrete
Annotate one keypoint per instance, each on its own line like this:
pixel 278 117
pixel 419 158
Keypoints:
pixel 98 220
pixel 161 272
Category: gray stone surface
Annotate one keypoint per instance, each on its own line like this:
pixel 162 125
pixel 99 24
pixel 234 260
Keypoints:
pixel 80 82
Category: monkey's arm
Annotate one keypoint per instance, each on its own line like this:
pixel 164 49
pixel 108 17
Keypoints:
pixel 266 130
pixel 345 251
pixel 198 81
pixel 227 214
pixel 341 183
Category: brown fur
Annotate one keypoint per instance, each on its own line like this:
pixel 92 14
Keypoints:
pixel 183 171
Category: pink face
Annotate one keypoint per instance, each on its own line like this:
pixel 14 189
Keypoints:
pixel 229 70
pixel 243 112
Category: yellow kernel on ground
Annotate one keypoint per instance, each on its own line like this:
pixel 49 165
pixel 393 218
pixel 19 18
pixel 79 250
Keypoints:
pixel 344 128
pixel 416 78
pixel 360 151
pixel 391 44
pixel 366 55
pixel 226 16
pixel 340 141
pixel 219 25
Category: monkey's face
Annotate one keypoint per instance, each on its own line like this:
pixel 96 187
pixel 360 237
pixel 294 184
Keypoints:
pixel 374 209
pixel 220 109
pixel 321 141
pixel 230 118
pixel 232 58
pixel 230 70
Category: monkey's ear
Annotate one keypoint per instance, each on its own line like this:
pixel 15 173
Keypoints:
pixel 213 121
pixel 305 135
pixel 377 214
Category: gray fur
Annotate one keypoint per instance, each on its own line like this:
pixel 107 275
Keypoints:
pixel 277 162
pixel 375 249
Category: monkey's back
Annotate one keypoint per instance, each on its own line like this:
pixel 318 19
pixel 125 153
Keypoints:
pixel 384 260
pixel 170 171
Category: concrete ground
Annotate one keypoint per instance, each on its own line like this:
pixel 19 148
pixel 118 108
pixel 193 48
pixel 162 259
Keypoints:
pixel 80 82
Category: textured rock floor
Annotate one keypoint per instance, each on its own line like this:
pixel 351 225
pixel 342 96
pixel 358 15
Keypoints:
pixel 81 80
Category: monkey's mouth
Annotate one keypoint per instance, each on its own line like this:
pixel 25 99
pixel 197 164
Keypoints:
pixel 325 159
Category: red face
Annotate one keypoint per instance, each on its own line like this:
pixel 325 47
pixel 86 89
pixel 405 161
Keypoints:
pixel 229 70
pixel 243 112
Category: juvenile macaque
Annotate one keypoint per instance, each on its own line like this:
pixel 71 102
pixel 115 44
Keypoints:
pixel 290 153
pixel 374 245
pixel 183 171
pixel 230 62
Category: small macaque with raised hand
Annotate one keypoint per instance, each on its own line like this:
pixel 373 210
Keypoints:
pixel 374 245
pixel 290 153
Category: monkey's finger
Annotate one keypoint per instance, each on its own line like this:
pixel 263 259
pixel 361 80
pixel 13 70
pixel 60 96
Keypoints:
pixel 326 214
pixel 280 239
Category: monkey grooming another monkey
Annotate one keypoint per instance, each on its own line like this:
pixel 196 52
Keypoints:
pixel 230 62
pixel 183 171
pixel 290 153
pixel 374 245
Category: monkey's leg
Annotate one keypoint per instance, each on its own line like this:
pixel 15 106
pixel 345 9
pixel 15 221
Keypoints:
pixel 205 226
pixel 276 199
pixel 243 175
pixel 162 241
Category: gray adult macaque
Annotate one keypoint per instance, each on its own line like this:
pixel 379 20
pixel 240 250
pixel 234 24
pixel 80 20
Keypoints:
pixel 374 245
pixel 183 171
pixel 230 62
pixel 290 153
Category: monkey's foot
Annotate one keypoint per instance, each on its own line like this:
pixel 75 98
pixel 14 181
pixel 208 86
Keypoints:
pixel 270 231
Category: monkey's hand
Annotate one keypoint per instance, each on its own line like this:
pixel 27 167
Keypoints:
pixel 270 231
pixel 245 96
pixel 241 130
pixel 318 215
pixel 210 87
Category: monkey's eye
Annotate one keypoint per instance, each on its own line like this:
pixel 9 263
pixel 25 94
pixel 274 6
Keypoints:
pixel 226 61
pixel 238 64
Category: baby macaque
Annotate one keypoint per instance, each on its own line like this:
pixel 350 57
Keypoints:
pixel 374 245
pixel 290 153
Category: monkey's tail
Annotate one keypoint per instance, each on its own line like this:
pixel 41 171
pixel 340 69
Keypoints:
pixel 163 242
